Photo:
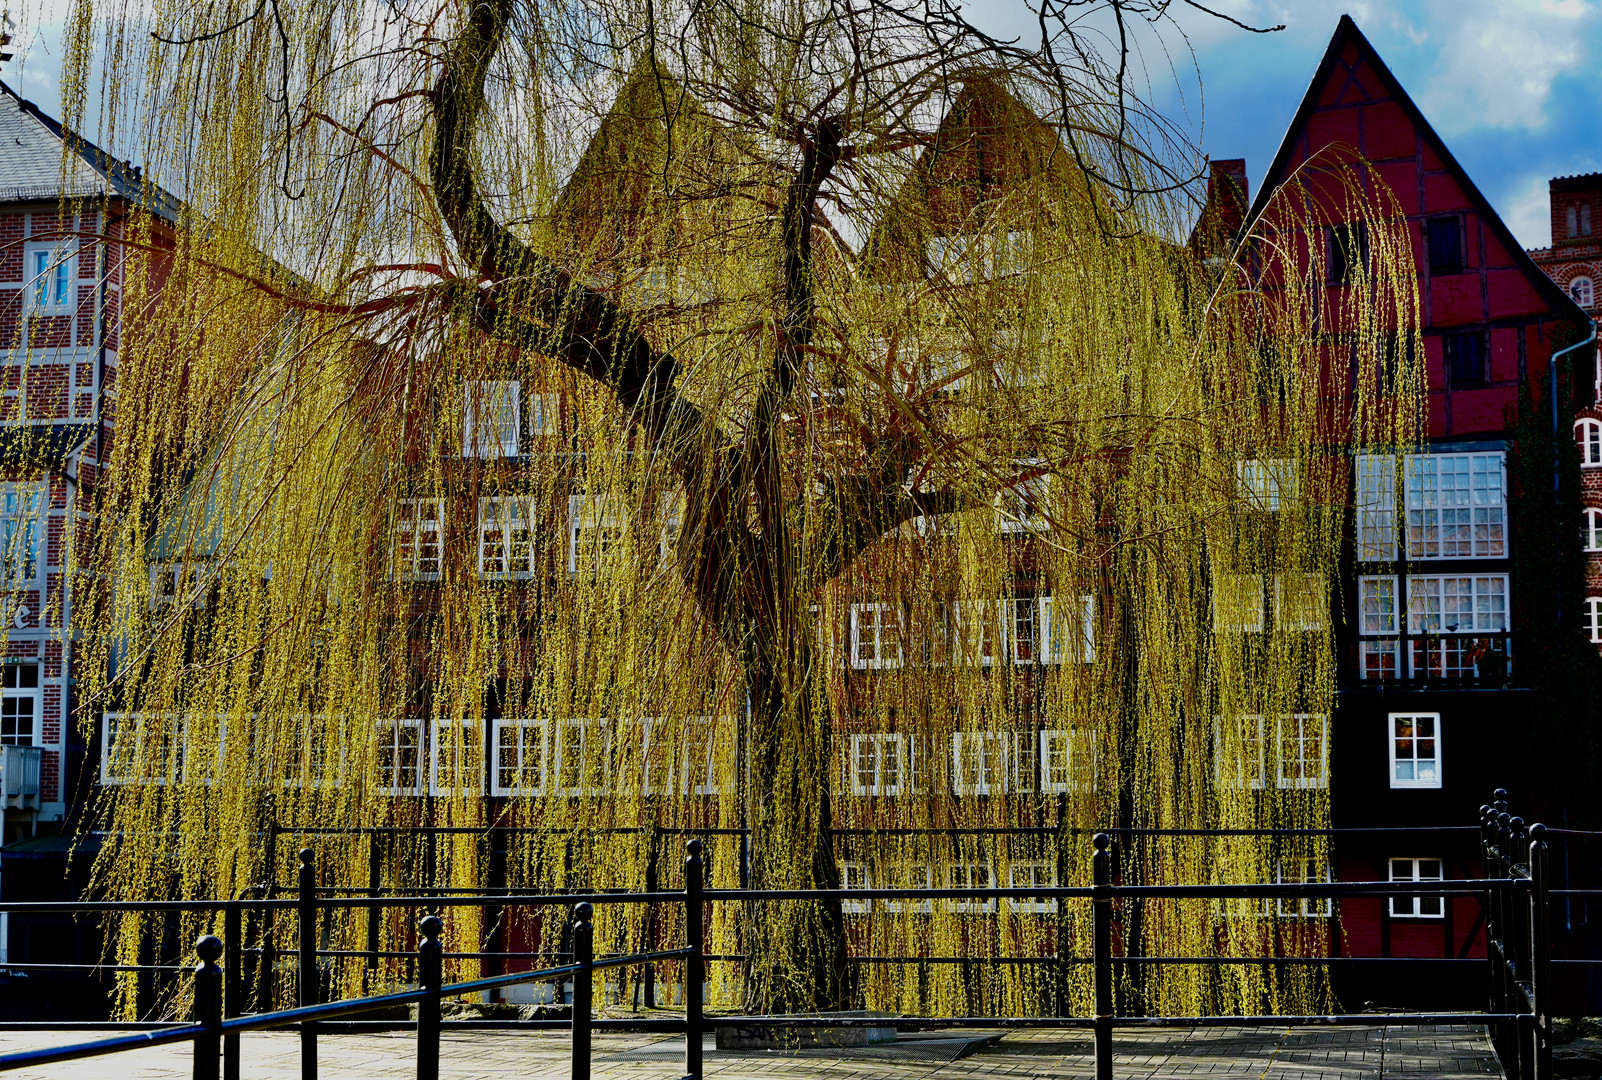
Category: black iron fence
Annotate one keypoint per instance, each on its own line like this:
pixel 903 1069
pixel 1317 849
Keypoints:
pixel 1514 888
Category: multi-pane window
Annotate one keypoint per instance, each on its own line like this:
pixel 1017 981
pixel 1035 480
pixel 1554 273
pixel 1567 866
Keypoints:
pixel 1593 619
pixel 1032 874
pixel 1582 291
pixel 1024 629
pixel 400 756
pixel 492 418
pixel 1303 750
pixel 1238 603
pixel 1266 483
pixel 456 757
pixel 1239 751
pixel 1417 907
pixel 1456 604
pixel 50 272
pixel 308 763
pixel 1021 505
pixel 878 764
pixel 979 762
pixel 520 751
pixel 1456 506
pixel 1444 237
pixel 1446 611
pixel 19 532
pixel 910 877
pixel 971 875
pixel 596 532
pixel 1068 629
pixel 544 413
pixel 582 757
pixel 1465 359
pixel 1591 529
pixel 1376 508
pixel 1303 872
pixel 854 875
pixel 1348 251
pixel 1299 602
pixel 1377 619
pixel 875 636
pixel 141 748
pixel 173 582
pixel 418 551
pixel 1067 760
pixel 1415 740
pixel 506 537
pixel 1588 433
pixel 966 632
pixel 19 705
pixel 708 754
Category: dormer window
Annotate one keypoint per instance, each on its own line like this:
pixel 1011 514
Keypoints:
pixel 1582 292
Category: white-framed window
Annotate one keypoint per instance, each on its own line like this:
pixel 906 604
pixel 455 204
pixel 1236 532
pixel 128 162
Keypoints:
pixel 1300 602
pixel 1418 907
pixel 1266 483
pixel 1377 619
pixel 967 632
pixel 582 758
pixel 1303 750
pixel 971 875
pixel 1239 751
pixel 506 537
pixel 1591 529
pixel 708 753
pixel 521 749
pixel 1020 506
pixel 456 757
pixel 1067 760
pixel 174 582
pixel 19 704
pixel 597 532
pixel 1023 628
pixel 653 739
pixel 1593 619
pixel 1238 603
pixel 1581 291
pixel 51 273
pixel 19 532
pixel 1457 506
pixel 1588 433
pixel 1376 508
pixel 854 875
pixel 875 636
pixel 400 756
pixel 309 764
pixel 1415 741
pixel 1456 604
pixel 979 762
pixel 910 877
pixel 159 749
pixel 1068 629
pixel 544 413
pixel 1032 874
pixel 492 418
pixel 878 764
pixel 418 551
pixel 1303 872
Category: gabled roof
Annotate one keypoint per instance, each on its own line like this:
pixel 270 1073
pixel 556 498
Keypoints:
pixel 1346 32
pixel 35 168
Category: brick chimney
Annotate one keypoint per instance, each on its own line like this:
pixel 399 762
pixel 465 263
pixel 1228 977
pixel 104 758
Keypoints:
pixel 1225 211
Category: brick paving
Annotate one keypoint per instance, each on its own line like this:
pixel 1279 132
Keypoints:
pixel 1234 1053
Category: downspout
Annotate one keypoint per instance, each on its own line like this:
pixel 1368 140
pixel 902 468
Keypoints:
pixel 1557 460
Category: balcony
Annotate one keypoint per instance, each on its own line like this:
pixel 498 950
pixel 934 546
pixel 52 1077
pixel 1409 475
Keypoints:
pixel 19 776
pixel 1446 659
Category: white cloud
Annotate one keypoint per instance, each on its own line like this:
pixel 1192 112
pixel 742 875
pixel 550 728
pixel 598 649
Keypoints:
pixel 1527 212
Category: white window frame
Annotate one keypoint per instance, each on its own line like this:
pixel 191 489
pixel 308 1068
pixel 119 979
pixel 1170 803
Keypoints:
pixel 589 512
pixel 1376 490
pixel 1024 629
pixel 179 770
pixel 562 735
pixel 1379 598
pixel 960 875
pixel 493 517
pixel 1445 587
pixel 172 581
pixel 1593 619
pixel 1582 291
pixel 410 522
pixel 1591 529
pixel 1076 749
pixel 1440 529
pixel 1267 483
pixel 1588 433
pixel 34 695
pixel 486 407
pixel 1413 757
pixel 1415 905
pixel 313 774
pixel 1300 602
pixel 919 907
pixel 854 875
pixel 994 774
pixel 22 509
pixel 1235 770
pixel 880 658
pixel 1018 503
pixel 961 628
pixel 522 747
pixel 706 735
pixel 880 743
pixel 439 730
pixel 1039 873
pixel 61 256
pixel 1066 639
pixel 390 751
pixel 1305 907
pixel 1298 740
pixel 1243 611
pixel 544 413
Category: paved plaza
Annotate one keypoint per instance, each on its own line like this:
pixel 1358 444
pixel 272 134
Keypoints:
pixel 1256 1053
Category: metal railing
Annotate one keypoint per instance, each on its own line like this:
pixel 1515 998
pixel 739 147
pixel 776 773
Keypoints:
pixel 1514 888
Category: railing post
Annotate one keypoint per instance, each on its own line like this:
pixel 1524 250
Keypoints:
pixel 208 1008
pixel 651 915
pixel 429 976
pixel 1101 951
pixel 583 988
pixel 233 982
pixel 694 966
pixel 306 968
pixel 1540 955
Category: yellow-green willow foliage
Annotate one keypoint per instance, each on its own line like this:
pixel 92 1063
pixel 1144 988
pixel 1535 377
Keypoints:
pixel 857 482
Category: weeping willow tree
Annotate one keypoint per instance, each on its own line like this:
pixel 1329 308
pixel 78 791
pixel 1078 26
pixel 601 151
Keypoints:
pixel 621 422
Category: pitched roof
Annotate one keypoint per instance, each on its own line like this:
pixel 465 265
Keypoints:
pixel 34 166
pixel 1346 32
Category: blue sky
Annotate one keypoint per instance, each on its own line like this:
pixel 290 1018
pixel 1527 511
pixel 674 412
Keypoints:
pixel 1514 87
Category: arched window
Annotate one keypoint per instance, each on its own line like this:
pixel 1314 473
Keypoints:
pixel 1588 433
pixel 1591 529
pixel 1582 291
pixel 1593 619
pixel 1585 220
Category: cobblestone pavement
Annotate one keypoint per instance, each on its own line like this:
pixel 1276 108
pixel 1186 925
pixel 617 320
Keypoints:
pixel 1256 1053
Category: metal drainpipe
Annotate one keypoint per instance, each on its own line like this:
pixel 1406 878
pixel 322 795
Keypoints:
pixel 1557 457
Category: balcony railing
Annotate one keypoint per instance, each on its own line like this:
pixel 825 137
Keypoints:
pixel 1476 659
